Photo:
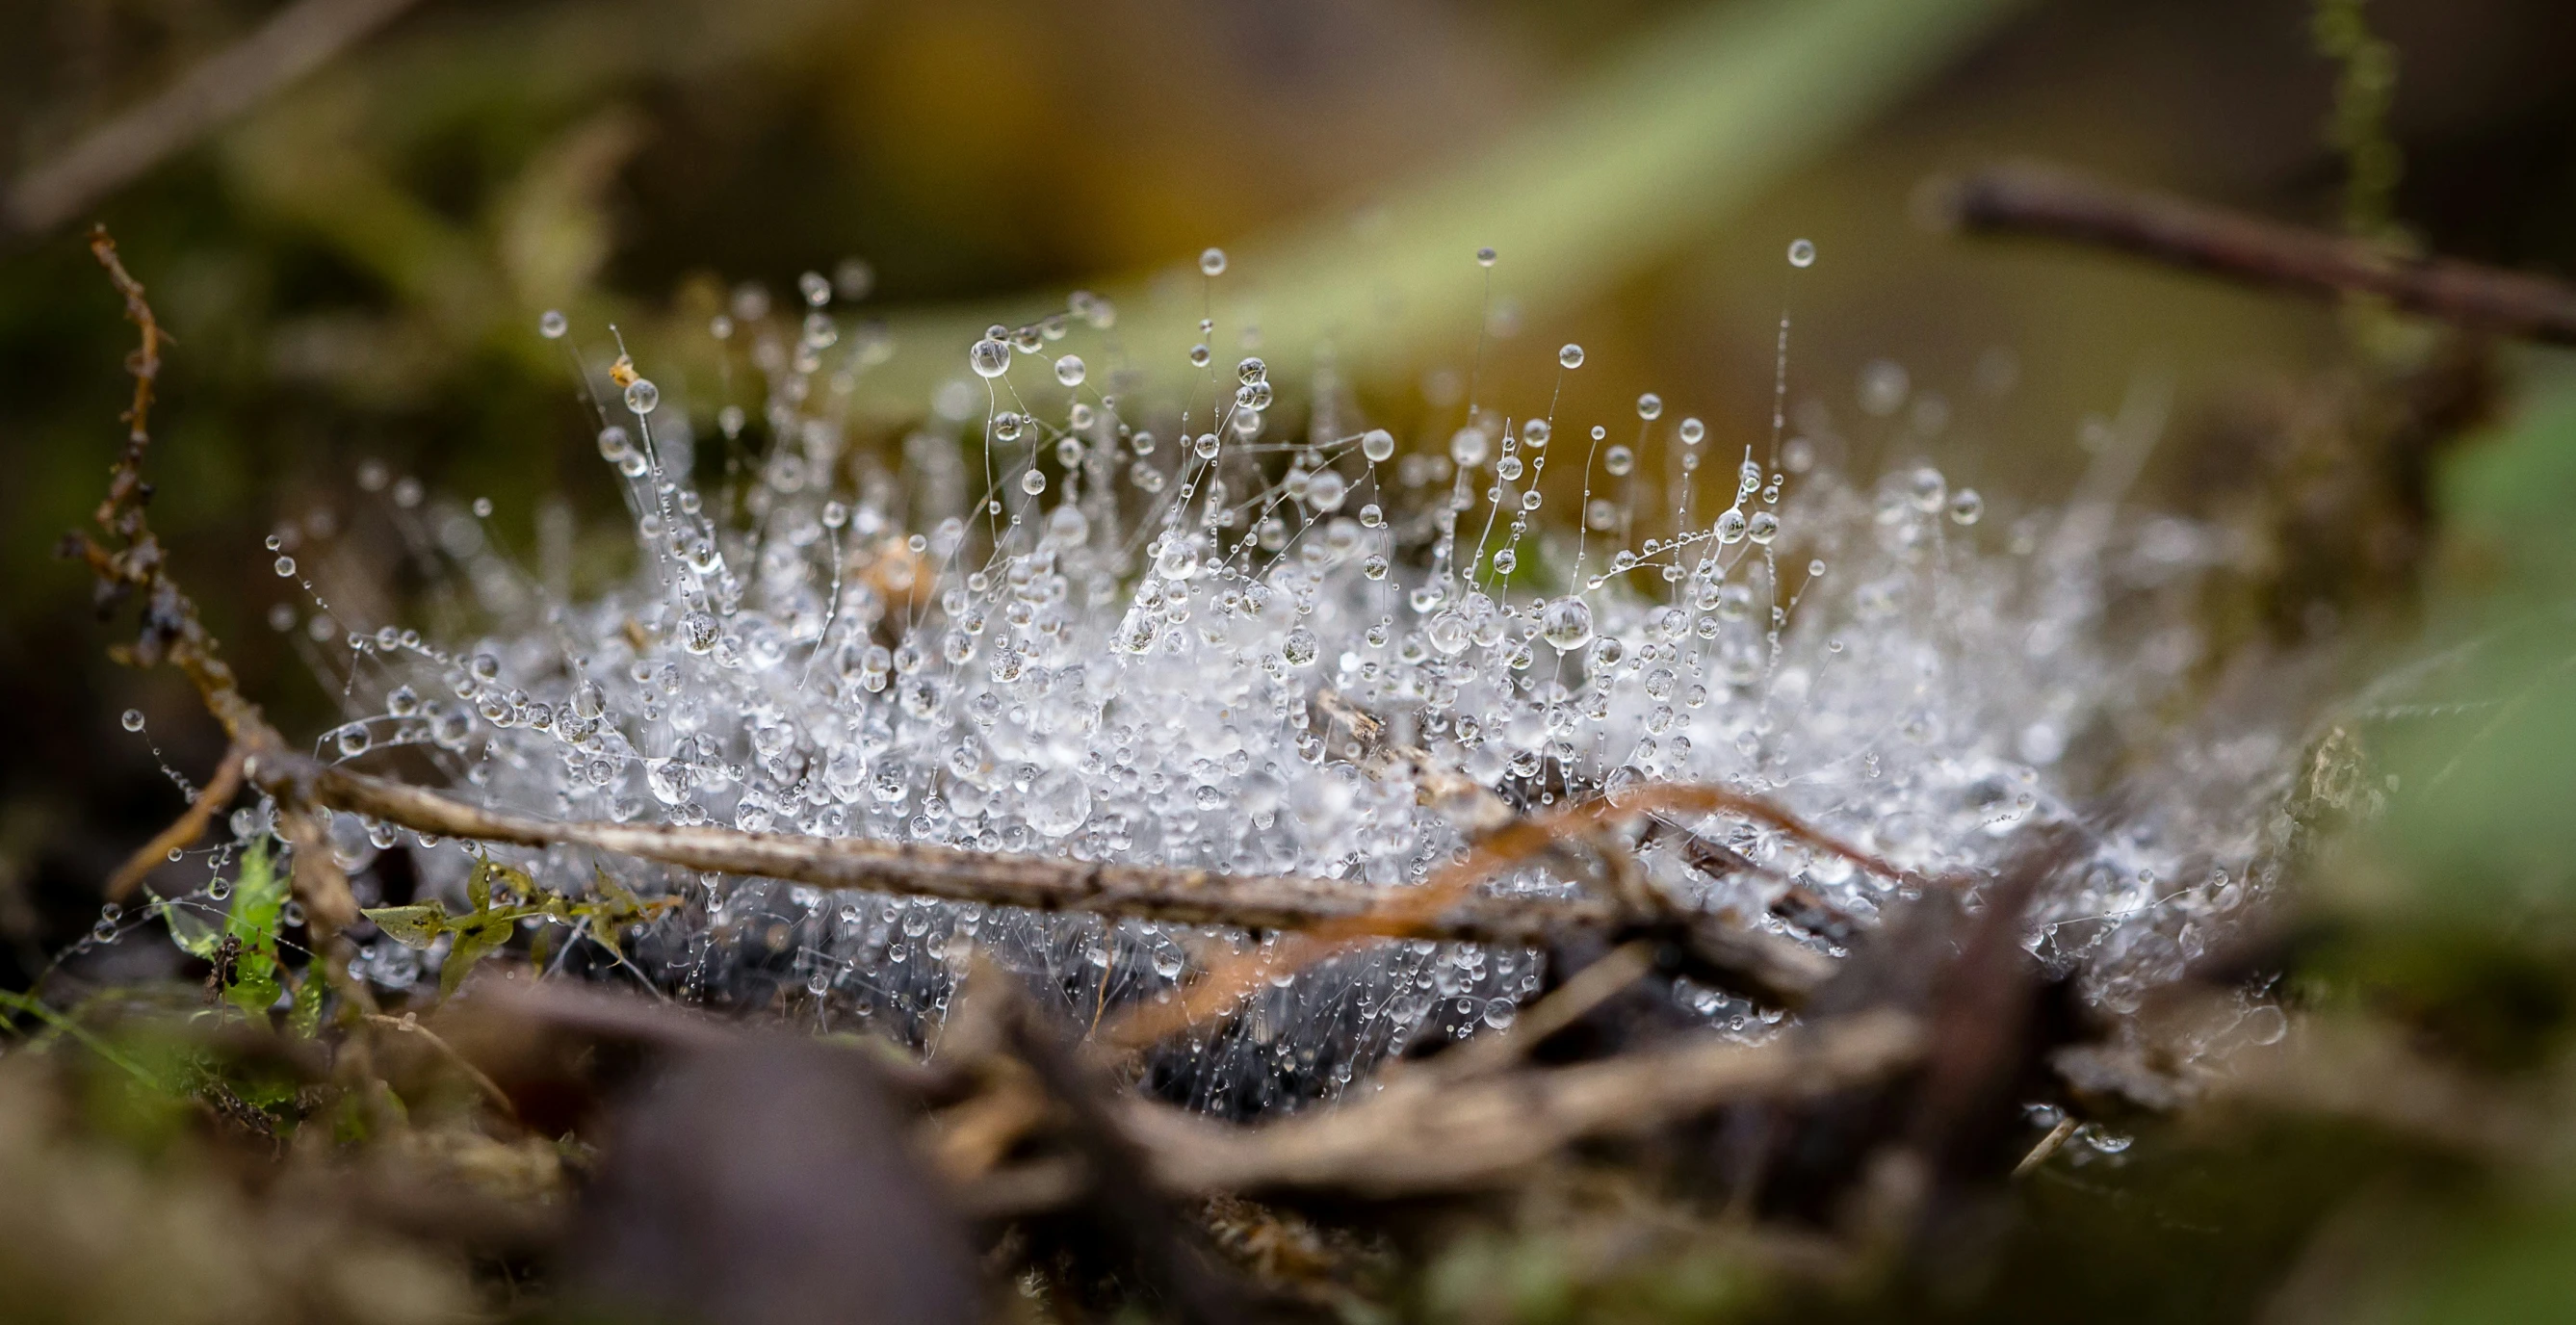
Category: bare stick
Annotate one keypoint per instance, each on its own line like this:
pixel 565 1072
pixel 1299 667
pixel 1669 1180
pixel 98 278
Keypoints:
pixel 1338 912
pixel 1036 882
pixel 1423 1133
pixel 2039 201
pixel 410 1025
pixel 1402 914
pixel 190 825
pixel 299 39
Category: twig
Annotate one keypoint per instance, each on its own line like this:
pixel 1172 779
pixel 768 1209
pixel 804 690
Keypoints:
pixel 1034 882
pixel 2039 201
pixel 171 630
pixel 296 41
pixel 2048 1145
pixel 1405 913
pixel 411 1026
pixel 191 824
pixel 1590 987
pixel 1425 1134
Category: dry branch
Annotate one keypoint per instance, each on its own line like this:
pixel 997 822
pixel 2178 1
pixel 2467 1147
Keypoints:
pixel 299 39
pixel 2038 201
pixel 183 832
pixel 1428 1132
pixel 1777 966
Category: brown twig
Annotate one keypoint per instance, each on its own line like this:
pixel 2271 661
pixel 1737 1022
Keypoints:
pixel 410 1025
pixel 191 824
pixel 1426 1133
pixel 2029 200
pixel 1034 882
pixel 296 41
pixel 133 563
pixel 1404 913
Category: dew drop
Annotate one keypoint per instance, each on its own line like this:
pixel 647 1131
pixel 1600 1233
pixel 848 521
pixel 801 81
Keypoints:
pixel 1566 624
pixel 552 325
pixel 1570 355
pixel 1069 370
pixel 1650 406
pixel 1378 445
pixel 1802 253
pixel 642 396
pixel 989 358
pixel 133 720
pixel 1618 460
pixel 1212 262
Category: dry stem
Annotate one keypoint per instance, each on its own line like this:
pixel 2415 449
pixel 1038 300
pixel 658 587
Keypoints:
pixel 2035 200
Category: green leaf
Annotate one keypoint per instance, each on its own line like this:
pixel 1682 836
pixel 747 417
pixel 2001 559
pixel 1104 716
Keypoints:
pixel 411 926
pixel 306 1019
pixel 195 935
pixel 474 942
pixel 259 895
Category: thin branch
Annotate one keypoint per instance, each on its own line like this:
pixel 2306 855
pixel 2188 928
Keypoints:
pixel 410 1025
pixel 1426 1133
pixel 2029 200
pixel 1039 883
pixel 191 825
pixel 296 41
pixel 1328 914
pixel 1403 913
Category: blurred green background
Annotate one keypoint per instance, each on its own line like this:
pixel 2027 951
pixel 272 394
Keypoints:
pixel 354 262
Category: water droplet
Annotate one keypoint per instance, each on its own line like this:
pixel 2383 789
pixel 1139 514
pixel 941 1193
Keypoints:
pixel 1566 624
pixel 1469 447
pixel 1570 355
pixel 1763 527
pixel 1618 460
pixel 1033 482
pixel 1692 430
pixel 482 508
pixel 1212 262
pixel 1536 432
pixel 285 567
pixel 1069 370
pixel 817 291
pixel 1730 525
pixel 551 324
pixel 1378 445
pixel 133 720
pixel 989 357
pixel 642 396
pixel 1485 257
pixel 1883 387
pixel 1966 507
pixel 1801 253
pixel 1650 406
pixel 1205 446
pixel 1299 648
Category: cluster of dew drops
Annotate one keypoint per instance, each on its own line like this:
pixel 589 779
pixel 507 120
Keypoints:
pixel 1091 622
